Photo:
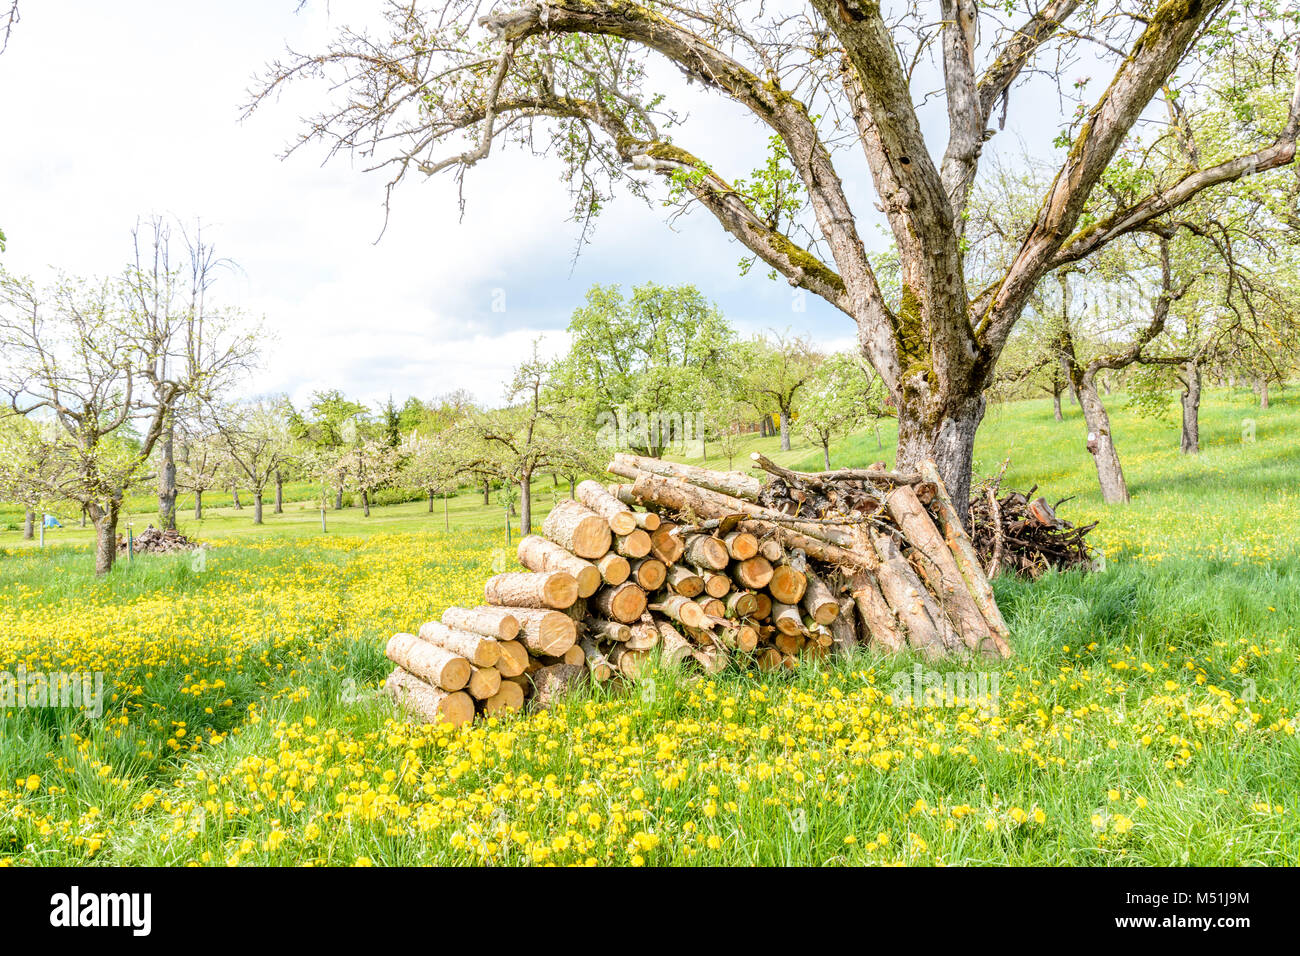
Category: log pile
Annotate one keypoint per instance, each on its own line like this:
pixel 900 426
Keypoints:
pixel 711 569
pixel 153 541
pixel 1014 531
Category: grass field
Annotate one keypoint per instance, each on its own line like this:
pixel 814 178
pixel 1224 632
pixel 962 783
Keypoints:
pixel 1147 717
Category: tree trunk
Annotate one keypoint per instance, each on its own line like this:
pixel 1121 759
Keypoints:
pixel 1263 392
pixel 430 502
pixel 526 503
pixel 1056 405
pixel 826 454
pixel 1102 446
pixel 338 498
pixel 234 498
pixel 167 479
pixel 83 516
pixel 573 496
pixel 29 525
pixel 279 492
pixel 365 502
pixel 1191 398
pixel 785 429
pixel 257 505
pixel 487 493
pixel 198 505
pixel 105 537
pixel 1074 392
pixel 945 434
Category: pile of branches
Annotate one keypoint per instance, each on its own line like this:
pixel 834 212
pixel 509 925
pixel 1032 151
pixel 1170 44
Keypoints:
pixel 707 569
pixel 1011 531
pixel 153 541
pixel 1017 532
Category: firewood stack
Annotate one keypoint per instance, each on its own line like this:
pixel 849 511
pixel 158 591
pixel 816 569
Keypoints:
pixel 708 568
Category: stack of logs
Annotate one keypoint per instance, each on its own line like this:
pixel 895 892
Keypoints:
pixel 704 574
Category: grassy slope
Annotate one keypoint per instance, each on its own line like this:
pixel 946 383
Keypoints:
pixel 1148 714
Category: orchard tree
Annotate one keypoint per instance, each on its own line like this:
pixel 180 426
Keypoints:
pixel 638 363
pixel 844 394
pixel 256 437
pixel 831 81
pixel 371 464
pixel 33 472
pixel 536 431
pixel 196 350
pixel 330 425
pixel 201 459
pixel 75 357
pixel 776 370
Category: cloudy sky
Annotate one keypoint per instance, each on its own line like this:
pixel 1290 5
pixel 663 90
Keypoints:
pixel 109 112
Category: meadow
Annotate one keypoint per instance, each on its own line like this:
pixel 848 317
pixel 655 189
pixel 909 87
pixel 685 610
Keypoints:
pixel 1148 716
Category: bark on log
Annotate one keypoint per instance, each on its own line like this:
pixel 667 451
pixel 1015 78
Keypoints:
pixel 712 660
pixel 950 587
pixel 665 545
pixel 903 591
pixel 635 544
pixel 629 661
pixel 704 551
pixel 432 664
pixel 614 569
pixel 594 496
pixel 479 650
pixel 787 618
pixel 685 581
pixel 964 553
pixel 649 573
pixel 577 529
pixel 818 600
pixel 734 483
pixel 496 622
pixel 673 648
pixel 430 703
pixel 545 631
pixel 682 609
pixel 879 625
pixel 553 589
pixel 715 585
pixel 843 632
pixel 609 630
pixel 538 554
pixel 598 665
pixel 624 603
pixel 644 635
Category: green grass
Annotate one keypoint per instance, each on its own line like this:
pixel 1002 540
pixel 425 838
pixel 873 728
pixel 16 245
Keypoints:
pixel 1148 716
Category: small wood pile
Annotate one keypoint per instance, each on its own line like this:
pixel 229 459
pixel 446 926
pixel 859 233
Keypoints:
pixel 1016 532
pixel 153 541
pixel 712 569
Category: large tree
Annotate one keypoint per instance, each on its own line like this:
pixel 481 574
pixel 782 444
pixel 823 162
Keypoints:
pixel 74 357
pixel 198 349
pixel 637 364
pixel 449 82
